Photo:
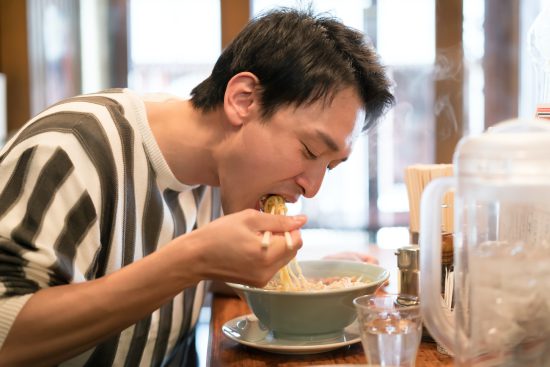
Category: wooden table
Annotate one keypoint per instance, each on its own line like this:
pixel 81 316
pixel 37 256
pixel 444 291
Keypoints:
pixel 223 351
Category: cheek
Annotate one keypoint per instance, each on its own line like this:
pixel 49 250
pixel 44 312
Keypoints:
pixel 270 157
pixel 260 152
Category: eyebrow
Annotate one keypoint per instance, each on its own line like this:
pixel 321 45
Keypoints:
pixel 329 142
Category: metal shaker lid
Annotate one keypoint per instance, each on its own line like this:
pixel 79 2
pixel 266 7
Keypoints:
pixel 408 257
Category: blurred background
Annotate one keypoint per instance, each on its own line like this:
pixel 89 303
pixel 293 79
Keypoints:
pixel 459 66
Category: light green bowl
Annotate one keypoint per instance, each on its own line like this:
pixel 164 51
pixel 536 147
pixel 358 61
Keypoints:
pixel 313 314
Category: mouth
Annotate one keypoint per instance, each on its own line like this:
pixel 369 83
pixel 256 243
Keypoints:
pixel 286 198
pixel 262 200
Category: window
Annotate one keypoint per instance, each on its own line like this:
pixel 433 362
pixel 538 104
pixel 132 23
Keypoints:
pixel 54 51
pixel 368 192
pixel 173 44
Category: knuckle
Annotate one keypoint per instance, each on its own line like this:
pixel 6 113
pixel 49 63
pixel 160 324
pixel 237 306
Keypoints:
pixel 249 213
pixel 255 283
pixel 260 281
pixel 264 280
pixel 283 221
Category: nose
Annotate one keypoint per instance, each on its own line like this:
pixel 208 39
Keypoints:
pixel 311 179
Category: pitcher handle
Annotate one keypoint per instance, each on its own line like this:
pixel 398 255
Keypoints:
pixel 438 323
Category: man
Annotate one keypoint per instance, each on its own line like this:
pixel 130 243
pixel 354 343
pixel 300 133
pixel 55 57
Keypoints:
pixel 108 201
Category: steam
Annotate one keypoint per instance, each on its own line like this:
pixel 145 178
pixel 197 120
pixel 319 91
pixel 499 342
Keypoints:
pixel 447 68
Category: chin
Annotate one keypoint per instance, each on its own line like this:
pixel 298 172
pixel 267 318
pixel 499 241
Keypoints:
pixel 232 204
pixel 229 208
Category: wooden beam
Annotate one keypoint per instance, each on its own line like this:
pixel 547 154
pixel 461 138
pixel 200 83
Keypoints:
pixel 234 16
pixel 448 107
pixel 501 60
pixel 118 43
pixel 14 61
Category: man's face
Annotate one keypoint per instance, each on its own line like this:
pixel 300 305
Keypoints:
pixel 289 154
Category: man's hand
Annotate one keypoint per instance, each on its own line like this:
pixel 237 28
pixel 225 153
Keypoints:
pixel 230 248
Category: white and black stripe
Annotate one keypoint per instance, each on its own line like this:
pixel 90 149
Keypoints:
pixel 84 191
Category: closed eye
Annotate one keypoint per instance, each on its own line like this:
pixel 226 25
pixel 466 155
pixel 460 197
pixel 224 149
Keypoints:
pixel 308 153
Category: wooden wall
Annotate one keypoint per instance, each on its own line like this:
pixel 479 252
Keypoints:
pixel 501 60
pixel 14 61
pixel 234 16
pixel 449 98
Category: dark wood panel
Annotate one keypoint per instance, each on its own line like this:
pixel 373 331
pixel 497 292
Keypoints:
pixel 234 16
pixel 501 60
pixel 118 43
pixel 14 61
pixel 449 79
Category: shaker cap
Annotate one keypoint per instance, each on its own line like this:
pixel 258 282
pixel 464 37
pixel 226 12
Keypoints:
pixel 408 257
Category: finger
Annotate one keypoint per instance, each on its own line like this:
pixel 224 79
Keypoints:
pixel 292 239
pixel 288 241
pixel 285 258
pixel 277 223
pixel 296 239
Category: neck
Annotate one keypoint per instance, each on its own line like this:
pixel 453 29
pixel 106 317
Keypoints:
pixel 188 139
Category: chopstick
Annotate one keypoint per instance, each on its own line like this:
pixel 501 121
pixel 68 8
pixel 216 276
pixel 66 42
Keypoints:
pixel 288 239
pixel 267 234
pixel 266 240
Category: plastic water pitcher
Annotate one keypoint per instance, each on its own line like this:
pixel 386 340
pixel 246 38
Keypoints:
pixel 501 314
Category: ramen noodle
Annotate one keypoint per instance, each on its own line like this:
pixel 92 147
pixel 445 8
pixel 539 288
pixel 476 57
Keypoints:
pixel 290 277
pixel 274 204
pixel 318 284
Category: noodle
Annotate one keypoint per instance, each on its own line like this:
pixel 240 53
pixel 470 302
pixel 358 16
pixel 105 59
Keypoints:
pixel 319 284
pixel 288 280
pixel 275 203
pixel 290 277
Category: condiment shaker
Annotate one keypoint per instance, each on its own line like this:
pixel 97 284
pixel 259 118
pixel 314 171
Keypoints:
pixel 408 262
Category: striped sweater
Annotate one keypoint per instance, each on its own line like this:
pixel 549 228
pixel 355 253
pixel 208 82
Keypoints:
pixel 84 191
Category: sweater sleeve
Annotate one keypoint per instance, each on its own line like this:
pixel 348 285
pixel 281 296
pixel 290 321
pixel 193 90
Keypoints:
pixel 10 307
pixel 48 233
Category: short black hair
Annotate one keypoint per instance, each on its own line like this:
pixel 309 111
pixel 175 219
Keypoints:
pixel 299 58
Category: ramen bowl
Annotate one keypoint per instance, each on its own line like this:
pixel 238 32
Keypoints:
pixel 313 313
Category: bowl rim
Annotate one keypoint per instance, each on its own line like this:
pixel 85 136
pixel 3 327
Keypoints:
pixel 384 276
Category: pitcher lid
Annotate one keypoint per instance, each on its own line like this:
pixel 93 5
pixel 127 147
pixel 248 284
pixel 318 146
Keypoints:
pixel 513 148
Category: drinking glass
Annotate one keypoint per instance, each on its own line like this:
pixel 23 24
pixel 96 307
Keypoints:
pixel 391 328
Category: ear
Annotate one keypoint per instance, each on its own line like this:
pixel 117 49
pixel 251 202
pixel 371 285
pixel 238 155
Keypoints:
pixel 241 98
